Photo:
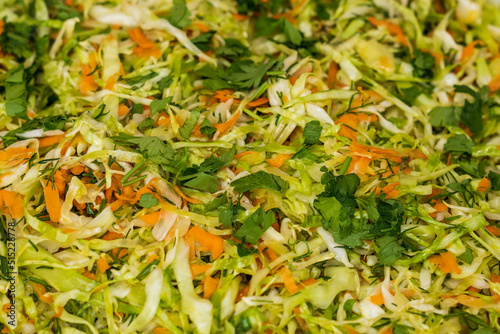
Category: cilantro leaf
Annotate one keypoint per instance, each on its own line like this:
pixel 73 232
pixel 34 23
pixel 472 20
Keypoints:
pixel 291 32
pixel 186 129
pixel 390 249
pixel 254 226
pixel 46 123
pixel 423 64
pixel 16 39
pixel 151 148
pixel 474 167
pixel 340 187
pixel 15 93
pixel 146 124
pixel 467 256
pixel 246 74
pixel 233 49
pixel 159 105
pixel 216 203
pixel 179 14
pixel 203 182
pixel 226 216
pixel 494 180
pixel 266 26
pixel 304 153
pixel 459 144
pixel 445 116
pixel 411 94
pixel 204 40
pixel 312 133
pixel 147 201
pixel 206 128
pixel 257 180
pixel 165 82
pixel 472 111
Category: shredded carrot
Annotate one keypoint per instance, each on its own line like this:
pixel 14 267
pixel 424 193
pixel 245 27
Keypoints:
pixel 493 230
pixel 48 141
pixel 203 28
pixel 349 122
pixel 377 299
pixel 446 262
pixel 240 17
pixel 110 83
pixel 289 281
pixel 187 198
pixel 88 274
pixel 494 84
pixel 242 154
pixel 197 269
pixel 52 201
pixel 471 301
pixel 12 203
pixel 332 74
pixel 102 265
pixel 258 102
pixel 151 218
pixel 350 330
pixel 392 28
pixel 223 95
pixel 117 204
pixel 212 242
pixel 265 250
pixel 138 36
pixel 159 330
pixel 300 320
pixel 59 313
pixel 122 109
pixel 483 185
pixel 151 258
pixel 468 51
pixel 209 286
pixel 77 170
pixel 119 253
pixel 42 293
pixel 2 25
pixel 307 282
pixel 13 156
pixel 279 160
pixel 87 83
pixel 389 190
pixel 224 127
pixel 6 306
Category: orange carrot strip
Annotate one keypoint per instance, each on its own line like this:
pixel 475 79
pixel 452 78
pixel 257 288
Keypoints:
pixel 59 313
pixel 377 299
pixel 52 201
pixel 332 74
pixel 13 156
pixel 159 330
pixel 493 230
pixel 242 154
pixel 214 243
pixel 88 274
pixel 446 262
pixel 12 203
pixel 392 28
pixel 258 102
pixel 151 258
pixel 187 198
pixel 483 185
pixel 203 28
pixel 468 51
pixel 240 17
pixel 197 269
pixel 138 36
pixel 279 160
pixel 223 127
pixel 151 218
pixel 48 141
pixel 102 265
pixel 122 109
pixel 209 286
pixel 87 83
pixel 42 293
pixel 289 281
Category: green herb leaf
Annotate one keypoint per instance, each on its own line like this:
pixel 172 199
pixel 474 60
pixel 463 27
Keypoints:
pixel 15 93
pixel 146 124
pixel 312 132
pixel 459 144
pixel 494 180
pixel 206 128
pixel 203 182
pixel 445 116
pixel 233 49
pixel 147 201
pixel 390 250
pixel 292 33
pixel 189 124
pixel 257 180
pixel 472 111
pixel 423 64
pixel 467 256
pixel 159 105
pixel 254 226
pixel 204 40
pixel 179 14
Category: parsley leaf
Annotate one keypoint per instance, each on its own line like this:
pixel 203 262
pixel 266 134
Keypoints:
pixel 151 148
pixel 291 32
pixel 204 40
pixel 189 124
pixel 246 74
pixel 16 39
pixel 146 124
pixel 45 123
pixel 494 180
pixel 423 64
pixel 159 105
pixel 179 14
pixel 233 49
pixel 304 153
pixel 257 180
pixel 411 94
pixel 445 116
pixel 147 201
pixel 459 144
pixel 15 93
pixel 472 111
pixel 390 249
pixel 312 133
pixel 203 182
pixel 467 256
pixel 206 128
pixel 165 82
pixel 254 226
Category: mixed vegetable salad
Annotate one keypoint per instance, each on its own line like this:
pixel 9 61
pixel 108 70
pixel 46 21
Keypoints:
pixel 250 166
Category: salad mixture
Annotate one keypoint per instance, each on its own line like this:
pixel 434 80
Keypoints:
pixel 249 166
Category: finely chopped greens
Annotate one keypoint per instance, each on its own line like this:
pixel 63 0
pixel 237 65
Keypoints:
pixel 273 166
